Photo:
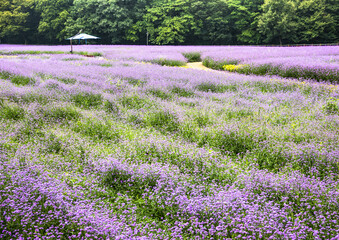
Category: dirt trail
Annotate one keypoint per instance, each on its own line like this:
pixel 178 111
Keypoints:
pixel 198 65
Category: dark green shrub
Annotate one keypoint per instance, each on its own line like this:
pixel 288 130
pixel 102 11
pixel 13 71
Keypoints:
pixel 87 100
pixel 182 92
pixel 192 56
pixel 168 62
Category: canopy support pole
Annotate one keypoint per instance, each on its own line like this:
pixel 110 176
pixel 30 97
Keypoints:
pixel 71 47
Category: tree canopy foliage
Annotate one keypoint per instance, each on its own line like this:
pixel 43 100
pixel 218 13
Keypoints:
pixel 207 22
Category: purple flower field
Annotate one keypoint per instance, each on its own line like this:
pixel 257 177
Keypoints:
pixel 115 147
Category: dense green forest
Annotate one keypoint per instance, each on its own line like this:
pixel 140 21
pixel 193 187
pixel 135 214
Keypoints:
pixel 203 22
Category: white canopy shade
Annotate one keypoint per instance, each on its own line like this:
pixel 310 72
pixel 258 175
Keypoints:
pixel 82 36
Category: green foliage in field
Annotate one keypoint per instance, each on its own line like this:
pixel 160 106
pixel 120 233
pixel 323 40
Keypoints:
pixel 67 80
pixel 87 100
pixel 11 112
pixel 332 106
pixel 168 62
pixel 5 75
pixel 135 82
pixel 218 65
pixel 17 79
pixel 182 92
pixel 111 107
pixel 291 72
pixel 215 88
pixel 21 80
pixel 96 130
pixel 134 101
pixel 162 120
pixel 192 56
pixel 67 113
pixel 160 94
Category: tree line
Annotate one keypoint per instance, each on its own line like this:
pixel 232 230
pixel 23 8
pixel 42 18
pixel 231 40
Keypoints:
pixel 203 22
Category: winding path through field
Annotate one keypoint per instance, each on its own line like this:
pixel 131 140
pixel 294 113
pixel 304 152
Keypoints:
pixel 198 65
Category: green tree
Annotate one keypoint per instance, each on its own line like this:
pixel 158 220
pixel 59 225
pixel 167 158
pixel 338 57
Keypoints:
pixel 167 22
pixel 214 25
pixel 111 20
pixel 314 23
pixel 54 14
pixel 13 18
pixel 278 23
pixel 244 16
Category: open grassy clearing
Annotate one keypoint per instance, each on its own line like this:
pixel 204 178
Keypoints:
pixel 120 149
